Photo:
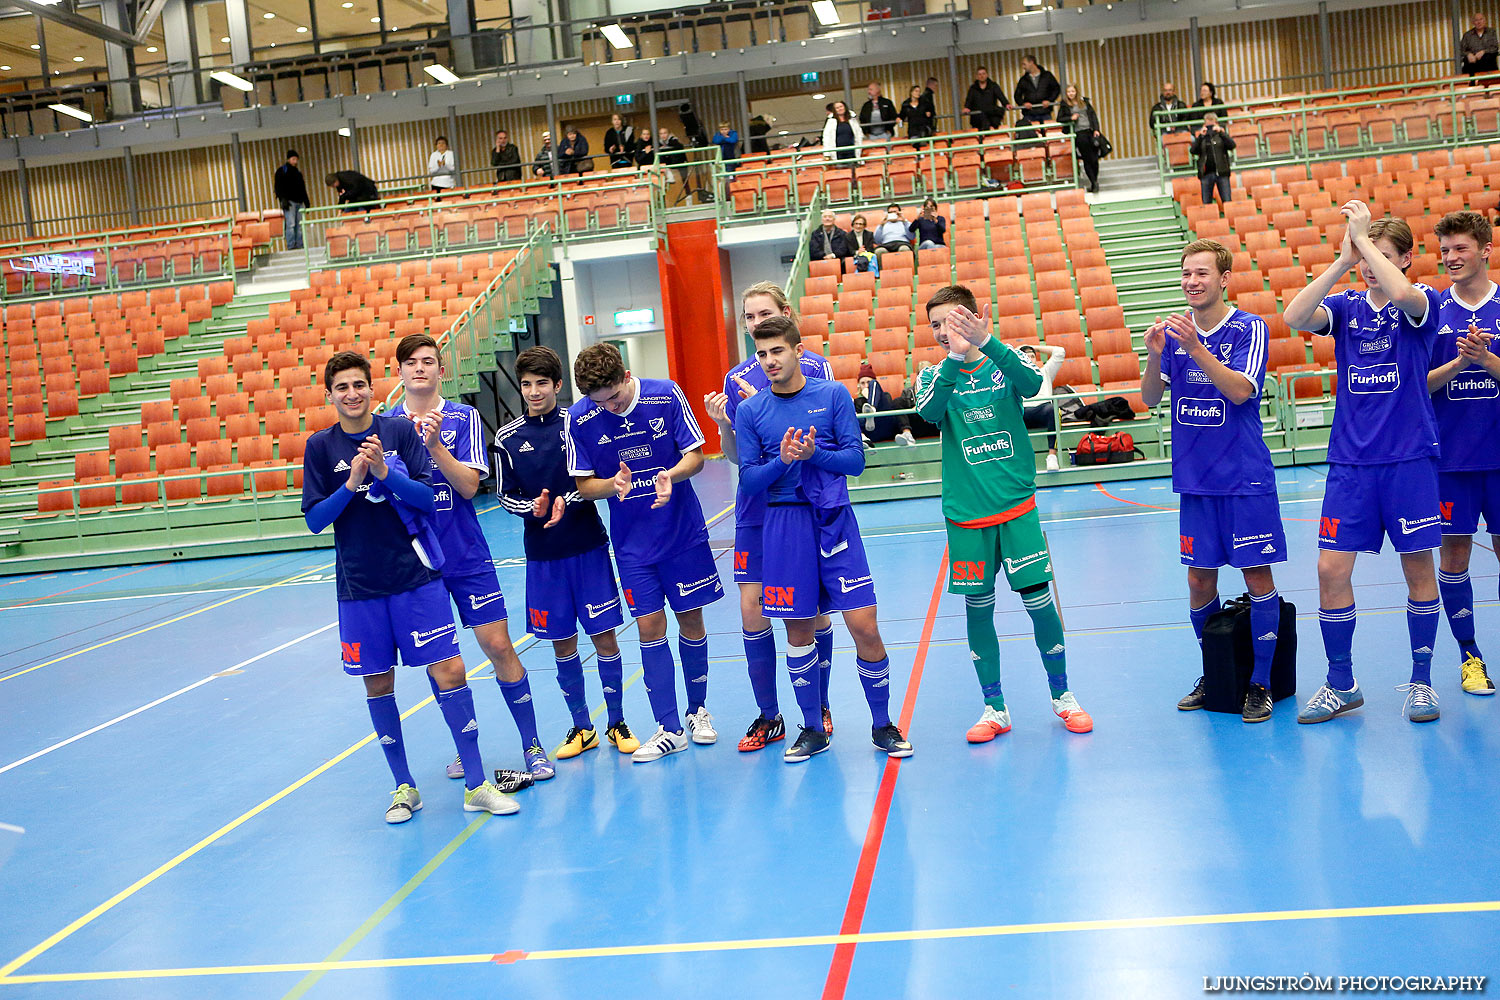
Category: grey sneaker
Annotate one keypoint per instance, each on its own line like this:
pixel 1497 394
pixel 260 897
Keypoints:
pixel 456 769
pixel 1193 700
pixel 488 798
pixel 661 743
pixel 404 801
pixel 1421 702
pixel 700 726
pixel 1328 702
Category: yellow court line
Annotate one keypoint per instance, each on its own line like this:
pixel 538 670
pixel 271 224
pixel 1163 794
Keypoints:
pixel 141 631
pixel 805 941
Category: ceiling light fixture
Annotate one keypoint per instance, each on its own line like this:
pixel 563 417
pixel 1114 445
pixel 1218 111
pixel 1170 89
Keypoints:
pixel 819 97
pixel 229 79
pixel 442 74
pixel 344 131
pixel 151 48
pixel 615 35
pixel 65 109
pixel 78 58
pixel 826 13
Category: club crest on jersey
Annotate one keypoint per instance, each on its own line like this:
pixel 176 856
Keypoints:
pixel 658 427
pixel 1224 351
pixel 449 437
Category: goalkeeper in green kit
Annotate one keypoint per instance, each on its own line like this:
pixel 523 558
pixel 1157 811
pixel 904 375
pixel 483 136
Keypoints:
pixel 989 498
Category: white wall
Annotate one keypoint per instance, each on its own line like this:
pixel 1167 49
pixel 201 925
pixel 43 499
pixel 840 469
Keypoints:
pixel 601 286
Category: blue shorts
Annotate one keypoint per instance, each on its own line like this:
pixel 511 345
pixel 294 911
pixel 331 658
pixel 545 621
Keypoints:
pixel 1462 497
pixel 563 593
pixel 1238 531
pixel 818 563
pixel 1363 503
pixel 417 622
pixel 748 545
pixel 478 597
pixel 686 580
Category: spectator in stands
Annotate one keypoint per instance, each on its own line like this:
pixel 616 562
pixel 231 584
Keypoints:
pixel 620 143
pixel 1208 97
pixel 442 168
pixel 929 227
pixel 842 135
pixel 916 113
pixel 929 94
pixel 1168 110
pixel 291 191
pixel 669 148
pixel 645 150
pixel 1077 115
pixel 573 156
pixel 873 399
pixel 1036 91
pixel 542 165
pixel 505 158
pixel 1478 47
pixel 893 234
pixel 984 104
pixel 728 141
pixel 354 190
pixel 828 241
pixel 878 116
pixel 1040 416
pixel 862 242
pixel 759 129
pixel 1212 148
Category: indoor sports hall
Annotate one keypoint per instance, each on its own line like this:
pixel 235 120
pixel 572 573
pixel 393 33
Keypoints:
pixel 208 206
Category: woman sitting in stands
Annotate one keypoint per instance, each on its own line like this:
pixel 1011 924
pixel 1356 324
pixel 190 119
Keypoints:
pixel 930 227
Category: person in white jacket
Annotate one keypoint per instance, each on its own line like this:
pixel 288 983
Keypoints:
pixel 442 168
pixel 842 135
pixel 1039 415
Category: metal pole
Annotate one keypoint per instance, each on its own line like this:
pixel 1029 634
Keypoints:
pixel 1325 44
pixel 461 35
pixel 958 102
pixel 848 92
pixel 1062 63
pixel 312 27
pixel 130 196
pixel 1195 45
pixel 458 165
pixel 41 41
pixel 380 12
pixel 354 144
pixel 237 15
pixel 237 155
pixel 26 215
pixel 557 135
pixel 650 103
pixel 739 79
pixel 119 60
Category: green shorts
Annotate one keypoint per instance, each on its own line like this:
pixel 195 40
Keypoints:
pixel 1017 545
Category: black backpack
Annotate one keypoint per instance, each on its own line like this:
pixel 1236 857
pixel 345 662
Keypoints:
pixel 1229 656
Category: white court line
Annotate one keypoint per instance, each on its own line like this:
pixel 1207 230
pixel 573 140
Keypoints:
pixel 165 698
pixel 873 535
pixel 152 594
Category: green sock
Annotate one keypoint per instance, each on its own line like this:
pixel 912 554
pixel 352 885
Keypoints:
pixel 984 646
pixel 1047 627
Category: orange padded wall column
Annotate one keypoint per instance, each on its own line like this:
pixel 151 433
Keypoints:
pixel 698 312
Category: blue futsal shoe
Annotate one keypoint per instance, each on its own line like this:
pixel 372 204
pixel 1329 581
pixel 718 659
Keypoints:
pixel 1328 702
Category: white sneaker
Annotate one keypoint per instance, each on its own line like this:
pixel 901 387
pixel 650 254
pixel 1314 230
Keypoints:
pixel 404 802
pixel 906 438
pixel 1051 462
pixel 488 798
pixel 701 727
pixel 659 745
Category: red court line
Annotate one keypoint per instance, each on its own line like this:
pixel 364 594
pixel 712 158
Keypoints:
pixel 82 586
pixel 864 873
pixel 1136 503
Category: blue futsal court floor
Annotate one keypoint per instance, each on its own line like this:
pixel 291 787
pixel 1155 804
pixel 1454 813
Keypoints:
pixel 203 802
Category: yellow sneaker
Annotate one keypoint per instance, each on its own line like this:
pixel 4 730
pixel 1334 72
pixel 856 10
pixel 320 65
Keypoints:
pixel 577 742
pixel 1475 679
pixel 624 740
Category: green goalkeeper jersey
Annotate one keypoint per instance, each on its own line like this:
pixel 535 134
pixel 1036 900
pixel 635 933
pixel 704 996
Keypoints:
pixel 989 469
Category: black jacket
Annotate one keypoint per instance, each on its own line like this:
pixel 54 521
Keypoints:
pixel 887 114
pixel 839 244
pixel 670 153
pixel 1212 147
pixel 1040 93
pixel 759 129
pixel 984 99
pixel 620 146
pixel 356 188
pixel 864 241
pixel 507 163
pixel 1065 115
pixel 543 162
pixel 918 118
pixel 289 187
pixel 1177 113
pixel 573 157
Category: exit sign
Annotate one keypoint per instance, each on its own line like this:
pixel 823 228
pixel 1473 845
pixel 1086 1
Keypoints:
pixel 635 317
pixel 809 78
pixel 625 100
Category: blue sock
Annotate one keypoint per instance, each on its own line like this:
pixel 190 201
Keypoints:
pixel 458 711
pixel 823 639
pixel 1265 619
pixel 760 658
pixel 660 675
pixel 1200 616
pixel 387 719
pixel 612 678
pixel 802 664
pixel 694 653
pixel 570 679
pixel 1458 603
pixel 1422 626
pixel 876 679
pixel 1338 640
pixel 518 697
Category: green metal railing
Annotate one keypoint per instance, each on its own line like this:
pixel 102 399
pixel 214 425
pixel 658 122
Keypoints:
pixel 111 255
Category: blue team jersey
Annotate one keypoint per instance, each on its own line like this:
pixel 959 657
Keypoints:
pixel 651 436
pixel 1383 412
pixel 1217 447
pixel 1467 408
pixel 533 457
pixel 750 510
pixel 465 550
pixel 764 419
pixel 371 546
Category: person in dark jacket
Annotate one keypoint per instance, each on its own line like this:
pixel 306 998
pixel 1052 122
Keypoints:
pixel 645 150
pixel 1168 111
pixel 620 142
pixel 929 227
pixel 829 242
pixel 506 159
pixel 877 116
pixel 984 104
pixel 542 165
pixel 1077 115
pixel 1208 97
pixel 355 190
pixel 291 191
pixel 1036 91
pixel 917 114
pixel 1211 147
pixel 728 141
pixel 573 157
